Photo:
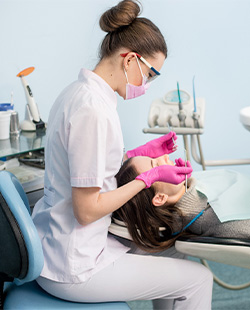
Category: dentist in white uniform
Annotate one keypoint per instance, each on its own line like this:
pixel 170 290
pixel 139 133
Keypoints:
pixel 84 151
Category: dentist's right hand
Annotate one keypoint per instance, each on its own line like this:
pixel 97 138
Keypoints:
pixel 156 147
pixel 165 173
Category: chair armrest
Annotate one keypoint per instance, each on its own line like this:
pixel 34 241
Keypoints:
pixel 215 240
pixel 235 252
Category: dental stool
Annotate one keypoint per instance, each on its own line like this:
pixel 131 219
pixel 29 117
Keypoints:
pixel 21 256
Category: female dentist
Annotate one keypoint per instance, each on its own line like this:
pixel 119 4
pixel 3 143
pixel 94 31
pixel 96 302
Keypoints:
pixel 84 151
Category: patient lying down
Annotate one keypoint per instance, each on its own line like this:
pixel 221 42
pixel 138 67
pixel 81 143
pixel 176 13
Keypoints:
pixel 156 216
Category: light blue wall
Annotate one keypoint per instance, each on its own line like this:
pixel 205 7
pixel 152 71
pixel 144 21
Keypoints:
pixel 206 38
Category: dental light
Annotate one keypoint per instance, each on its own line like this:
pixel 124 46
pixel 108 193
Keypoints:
pixel 32 120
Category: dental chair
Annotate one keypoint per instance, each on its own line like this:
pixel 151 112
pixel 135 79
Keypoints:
pixel 185 115
pixel 21 258
pixel 234 252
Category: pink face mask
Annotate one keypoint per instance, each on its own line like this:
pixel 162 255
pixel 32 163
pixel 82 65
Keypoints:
pixel 133 91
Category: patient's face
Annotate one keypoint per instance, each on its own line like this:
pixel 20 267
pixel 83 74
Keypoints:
pixel 143 163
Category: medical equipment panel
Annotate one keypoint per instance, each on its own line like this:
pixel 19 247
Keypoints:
pixel 184 114
pixel 166 110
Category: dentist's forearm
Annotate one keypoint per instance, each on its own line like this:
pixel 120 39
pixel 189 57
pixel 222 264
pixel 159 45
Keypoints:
pixel 89 204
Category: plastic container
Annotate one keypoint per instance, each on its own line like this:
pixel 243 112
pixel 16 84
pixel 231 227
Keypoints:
pixel 6 106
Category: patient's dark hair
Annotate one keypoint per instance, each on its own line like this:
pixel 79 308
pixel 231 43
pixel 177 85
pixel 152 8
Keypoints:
pixel 143 219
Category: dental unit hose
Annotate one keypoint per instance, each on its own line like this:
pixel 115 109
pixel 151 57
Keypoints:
pixel 181 115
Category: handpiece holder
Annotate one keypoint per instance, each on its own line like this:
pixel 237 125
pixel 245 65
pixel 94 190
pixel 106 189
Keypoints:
pixel 166 111
pixel 28 124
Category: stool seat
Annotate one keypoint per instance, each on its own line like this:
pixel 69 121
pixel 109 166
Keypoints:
pixel 31 296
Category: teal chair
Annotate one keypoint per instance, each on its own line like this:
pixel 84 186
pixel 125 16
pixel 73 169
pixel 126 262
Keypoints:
pixel 21 258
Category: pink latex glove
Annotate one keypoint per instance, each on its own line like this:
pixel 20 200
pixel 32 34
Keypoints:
pixel 156 148
pixel 165 173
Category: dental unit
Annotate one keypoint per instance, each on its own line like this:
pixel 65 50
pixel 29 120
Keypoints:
pixel 186 116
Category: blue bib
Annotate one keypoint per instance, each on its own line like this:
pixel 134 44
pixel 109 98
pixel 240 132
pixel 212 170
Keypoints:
pixel 228 193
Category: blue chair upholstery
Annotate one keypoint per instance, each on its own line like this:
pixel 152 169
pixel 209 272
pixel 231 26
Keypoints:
pixel 21 259
pixel 31 296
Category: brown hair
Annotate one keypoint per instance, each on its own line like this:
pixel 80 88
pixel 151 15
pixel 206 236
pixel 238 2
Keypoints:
pixel 126 30
pixel 143 219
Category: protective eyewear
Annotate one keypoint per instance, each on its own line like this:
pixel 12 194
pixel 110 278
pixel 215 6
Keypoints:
pixel 153 73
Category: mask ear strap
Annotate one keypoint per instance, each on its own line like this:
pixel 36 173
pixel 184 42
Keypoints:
pixel 139 65
pixel 126 75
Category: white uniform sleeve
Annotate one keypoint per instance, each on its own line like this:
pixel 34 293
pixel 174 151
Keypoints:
pixel 87 138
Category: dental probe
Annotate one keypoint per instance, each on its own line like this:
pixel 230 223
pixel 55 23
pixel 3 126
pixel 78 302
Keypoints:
pixel 185 152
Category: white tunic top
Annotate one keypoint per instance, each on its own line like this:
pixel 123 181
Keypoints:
pixel 84 149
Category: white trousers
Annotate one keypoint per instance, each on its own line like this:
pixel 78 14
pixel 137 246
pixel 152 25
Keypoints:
pixel 171 283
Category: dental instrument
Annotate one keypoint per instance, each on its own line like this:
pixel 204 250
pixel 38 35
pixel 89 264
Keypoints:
pixel 185 154
pixel 182 118
pixel 32 120
pixel 169 128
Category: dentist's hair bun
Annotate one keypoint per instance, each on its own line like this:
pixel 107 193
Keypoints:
pixel 123 14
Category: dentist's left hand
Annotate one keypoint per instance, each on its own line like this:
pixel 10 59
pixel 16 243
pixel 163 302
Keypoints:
pixel 156 148
pixel 179 162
